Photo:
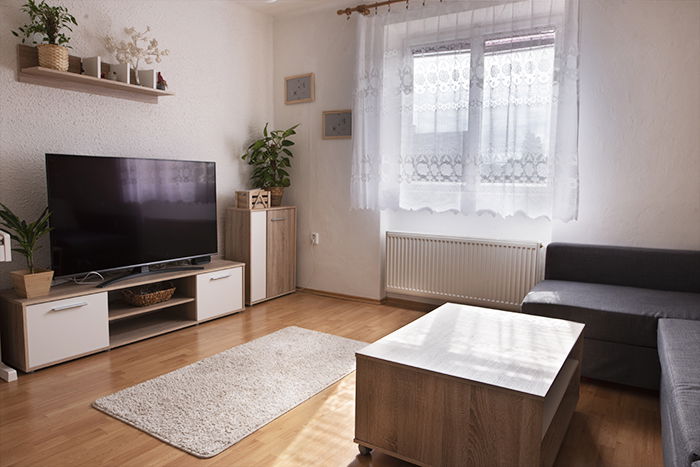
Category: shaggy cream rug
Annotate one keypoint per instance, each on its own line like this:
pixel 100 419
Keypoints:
pixel 210 405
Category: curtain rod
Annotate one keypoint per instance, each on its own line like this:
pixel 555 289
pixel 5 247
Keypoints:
pixel 366 9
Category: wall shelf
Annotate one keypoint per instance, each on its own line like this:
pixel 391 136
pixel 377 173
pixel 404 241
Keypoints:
pixel 30 72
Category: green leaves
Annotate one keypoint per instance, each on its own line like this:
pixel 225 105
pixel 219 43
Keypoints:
pixel 270 156
pixel 26 235
pixel 47 21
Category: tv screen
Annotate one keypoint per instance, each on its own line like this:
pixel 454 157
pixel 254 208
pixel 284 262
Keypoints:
pixel 117 212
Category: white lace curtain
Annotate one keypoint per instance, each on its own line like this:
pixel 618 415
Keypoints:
pixel 468 106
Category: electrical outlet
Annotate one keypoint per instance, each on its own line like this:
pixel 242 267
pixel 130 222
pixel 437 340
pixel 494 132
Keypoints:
pixel 314 238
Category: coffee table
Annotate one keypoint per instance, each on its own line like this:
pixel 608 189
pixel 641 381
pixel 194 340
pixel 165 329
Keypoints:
pixel 465 386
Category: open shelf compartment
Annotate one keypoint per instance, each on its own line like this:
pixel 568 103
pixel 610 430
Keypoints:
pixel 126 331
pixel 129 323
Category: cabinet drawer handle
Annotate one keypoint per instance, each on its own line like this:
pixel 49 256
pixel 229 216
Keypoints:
pixel 222 276
pixel 277 219
pixel 69 306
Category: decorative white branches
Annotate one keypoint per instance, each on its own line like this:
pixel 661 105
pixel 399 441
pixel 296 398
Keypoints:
pixel 140 47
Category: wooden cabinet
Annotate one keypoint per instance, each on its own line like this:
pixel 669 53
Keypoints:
pixel 264 239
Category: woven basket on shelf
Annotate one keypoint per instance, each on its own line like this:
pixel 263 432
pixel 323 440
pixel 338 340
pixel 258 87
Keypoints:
pixel 53 56
pixel 149 294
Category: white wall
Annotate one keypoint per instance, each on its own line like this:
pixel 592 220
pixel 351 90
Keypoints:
pixel 640 125
pixel 639 142
pixel 346 260
pixel 220 68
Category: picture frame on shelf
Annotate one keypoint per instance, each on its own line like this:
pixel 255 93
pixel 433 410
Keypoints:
pixel 92 66
pixel 123 71
pixel 336 124
pixel 299 88
pixel 148 78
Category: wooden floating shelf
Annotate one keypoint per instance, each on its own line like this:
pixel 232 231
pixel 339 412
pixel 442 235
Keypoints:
pixel 30 72
pixel 120 309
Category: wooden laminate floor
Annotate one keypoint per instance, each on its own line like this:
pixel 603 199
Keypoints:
pixel 46 418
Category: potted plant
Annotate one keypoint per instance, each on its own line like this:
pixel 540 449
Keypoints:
pixel 30 282
pixel 48 21
pixel 270 157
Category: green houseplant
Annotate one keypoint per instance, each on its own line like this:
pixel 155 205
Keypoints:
pixel 30 282
pixel 271 157
pixel 49 22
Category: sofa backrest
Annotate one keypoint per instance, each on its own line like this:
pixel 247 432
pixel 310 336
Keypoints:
pixel 676 270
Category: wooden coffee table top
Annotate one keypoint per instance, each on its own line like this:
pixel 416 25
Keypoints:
pixel 515 351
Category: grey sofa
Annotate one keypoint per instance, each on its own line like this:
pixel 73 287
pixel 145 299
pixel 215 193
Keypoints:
pixel 641 308
pixel 619 293
pixel 679 352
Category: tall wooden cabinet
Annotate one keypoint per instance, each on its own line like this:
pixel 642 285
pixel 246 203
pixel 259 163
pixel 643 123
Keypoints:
pixel 265 240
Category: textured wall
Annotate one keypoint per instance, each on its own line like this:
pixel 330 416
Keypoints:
pixel 346 260
pixel 639 143
pixel 220 67
pixel 640 125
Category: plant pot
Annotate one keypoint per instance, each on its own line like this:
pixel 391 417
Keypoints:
pixel 276 193
pixel 32 285
pixel 53 56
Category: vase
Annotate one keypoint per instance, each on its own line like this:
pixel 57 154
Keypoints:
pixel 276 193
pixel 29 285
pixel 53 56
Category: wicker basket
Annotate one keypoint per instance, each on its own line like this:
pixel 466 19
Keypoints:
pixel 53 56
pixel 276 193
pixel 149 294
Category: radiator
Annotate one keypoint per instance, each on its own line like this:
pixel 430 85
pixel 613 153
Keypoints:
pixel 467 270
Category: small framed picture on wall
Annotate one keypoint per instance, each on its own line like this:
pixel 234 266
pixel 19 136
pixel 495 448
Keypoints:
pixel 299 88
pixel 337 124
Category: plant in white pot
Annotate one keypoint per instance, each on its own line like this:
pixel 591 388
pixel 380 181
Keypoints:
pixel 30 282
pixel 49 22
pixel 270 157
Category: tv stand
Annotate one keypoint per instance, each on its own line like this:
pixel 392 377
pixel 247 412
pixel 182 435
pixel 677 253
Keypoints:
pixel 146 271
pixel 75 320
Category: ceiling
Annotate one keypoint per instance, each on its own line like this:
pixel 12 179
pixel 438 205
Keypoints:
pixel 290 7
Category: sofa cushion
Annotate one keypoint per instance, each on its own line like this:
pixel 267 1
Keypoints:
pixel 611 312
pixel 679 353
pixel 649 268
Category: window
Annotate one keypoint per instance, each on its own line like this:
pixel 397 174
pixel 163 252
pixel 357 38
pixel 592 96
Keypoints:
pixel 469 107
pixel 515 91
pixel 516 109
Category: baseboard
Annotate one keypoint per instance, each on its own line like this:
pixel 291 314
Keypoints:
pixel 430 303
pixel 410 304
pixel 352 298
pixel 389 301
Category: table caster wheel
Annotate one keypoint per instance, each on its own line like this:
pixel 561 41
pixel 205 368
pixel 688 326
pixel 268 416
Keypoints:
pixel 364 450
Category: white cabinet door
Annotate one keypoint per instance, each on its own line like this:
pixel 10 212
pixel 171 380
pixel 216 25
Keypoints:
pixel 219 292
pixel 66 328
pixel 258 256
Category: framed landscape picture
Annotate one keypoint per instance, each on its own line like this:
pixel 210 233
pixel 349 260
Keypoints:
pixel 337 124
pixel 299 88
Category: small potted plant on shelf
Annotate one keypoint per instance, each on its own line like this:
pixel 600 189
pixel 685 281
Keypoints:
pixel 48 21
pixel 30 282
pixel 270 157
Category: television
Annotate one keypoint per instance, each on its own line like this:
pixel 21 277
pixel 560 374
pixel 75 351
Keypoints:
pixel 111 213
